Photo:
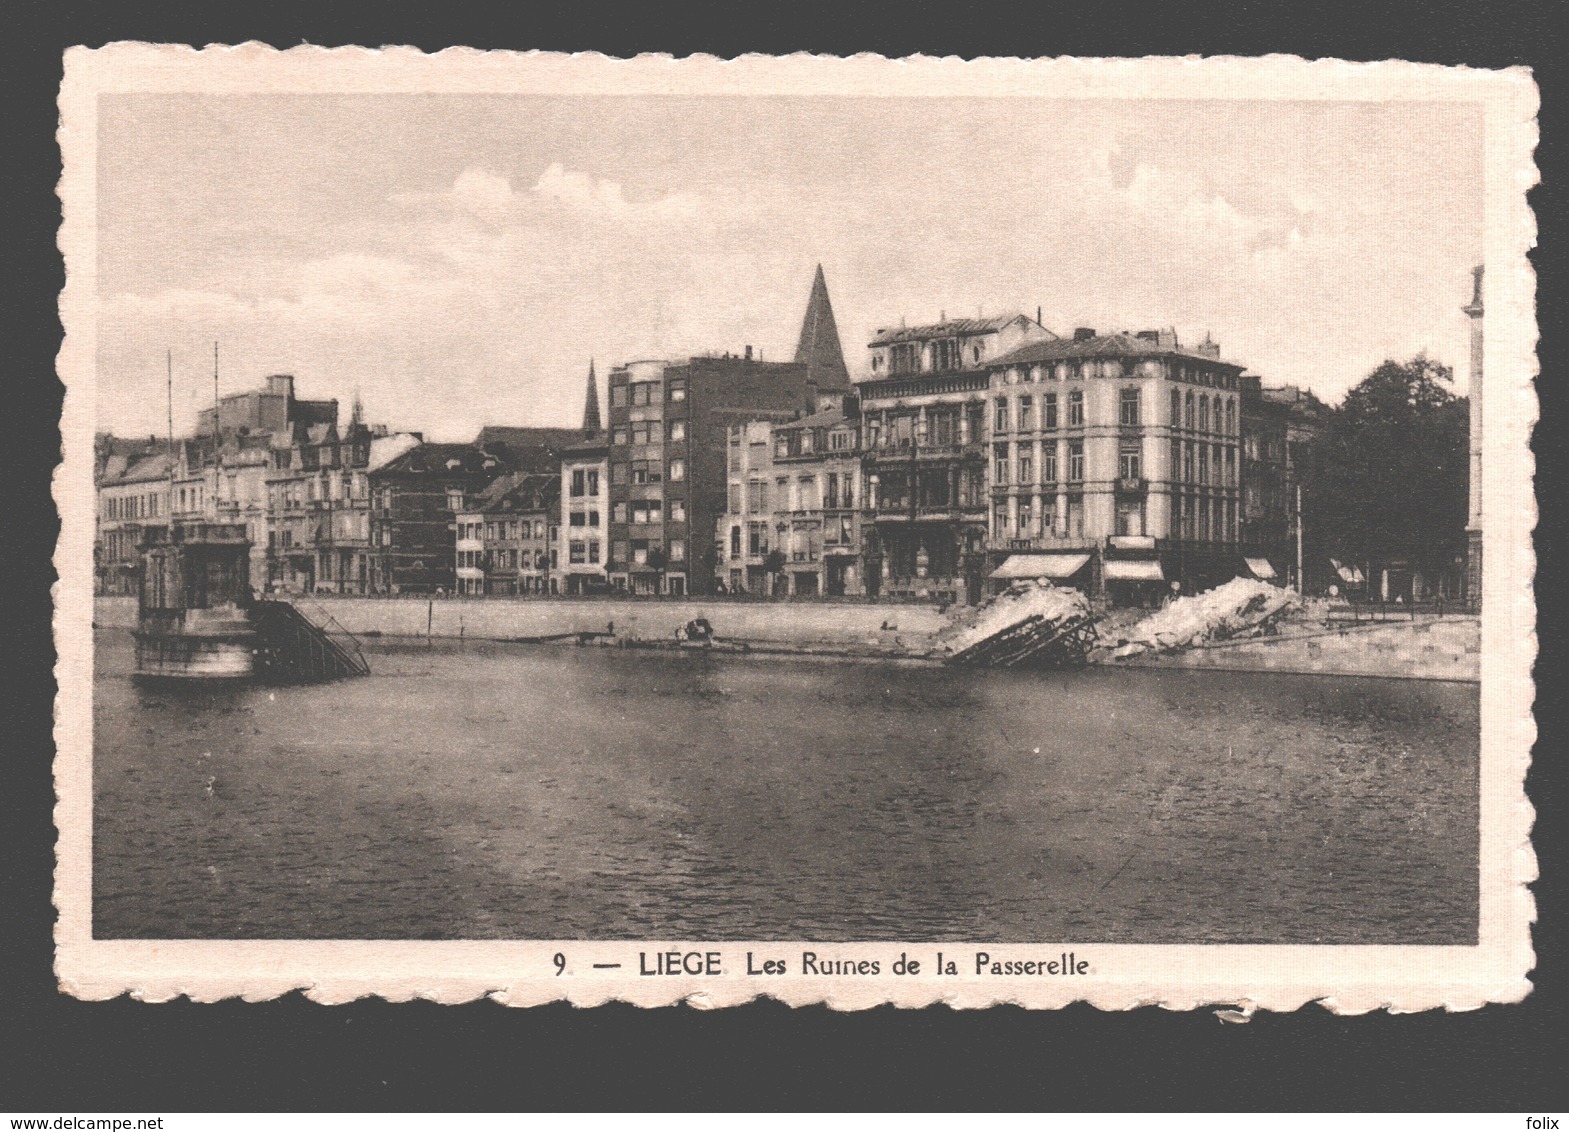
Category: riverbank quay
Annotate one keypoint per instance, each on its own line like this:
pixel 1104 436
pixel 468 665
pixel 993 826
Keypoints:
pixel 1427 648
pixel 858 627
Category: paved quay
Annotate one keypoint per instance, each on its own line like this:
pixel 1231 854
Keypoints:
pixel 1428 648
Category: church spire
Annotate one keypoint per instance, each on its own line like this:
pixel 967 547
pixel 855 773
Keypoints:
pixel 819 348
pixel 591 424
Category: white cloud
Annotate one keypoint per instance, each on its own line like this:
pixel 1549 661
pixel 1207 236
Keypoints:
pixel 489 196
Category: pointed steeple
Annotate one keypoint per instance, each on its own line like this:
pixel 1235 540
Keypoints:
pixel 357 412
pixel 591 425
pixel 819 348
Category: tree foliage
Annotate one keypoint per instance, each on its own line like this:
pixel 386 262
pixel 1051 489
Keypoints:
pixel 1389 476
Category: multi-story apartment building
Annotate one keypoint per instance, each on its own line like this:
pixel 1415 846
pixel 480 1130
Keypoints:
pixel 1114 464
pixel 794 488
pixel 669 428
pixel 133 501
pixel 923 431
pixel 579 532
pixel 416 498
pixel 504 544
pixel 581 550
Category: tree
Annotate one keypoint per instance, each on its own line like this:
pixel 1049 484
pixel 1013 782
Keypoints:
pixel 1389 475
pixel 773 566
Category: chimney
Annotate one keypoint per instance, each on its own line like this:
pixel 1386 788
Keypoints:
pixel 749 353
pixel 1038 321
pixel 281 384
pixel 1149 335
pixel 1083 333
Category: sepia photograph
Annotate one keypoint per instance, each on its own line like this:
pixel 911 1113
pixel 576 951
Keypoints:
pixel 955 533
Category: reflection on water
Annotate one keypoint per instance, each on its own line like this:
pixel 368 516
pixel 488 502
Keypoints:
pixel 542 793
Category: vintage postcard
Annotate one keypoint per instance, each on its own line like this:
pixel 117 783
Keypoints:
pixel 849 530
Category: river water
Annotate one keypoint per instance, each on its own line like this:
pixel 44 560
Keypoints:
pixel 585 793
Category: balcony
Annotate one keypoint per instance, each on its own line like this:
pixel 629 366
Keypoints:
pixel 944 513
pixel 1049 542
pixel 906 453
pixel 1132 485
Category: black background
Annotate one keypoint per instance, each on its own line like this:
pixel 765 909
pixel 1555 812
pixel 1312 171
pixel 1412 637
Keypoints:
pixel 125 1056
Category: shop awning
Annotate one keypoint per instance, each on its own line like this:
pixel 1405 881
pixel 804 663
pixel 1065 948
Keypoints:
pixel 1351 575
pixel 1261 568
pixel 1134 570
pixel 1055 566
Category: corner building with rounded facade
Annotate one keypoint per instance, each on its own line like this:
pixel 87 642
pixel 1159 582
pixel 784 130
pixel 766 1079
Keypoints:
pixel 1114 466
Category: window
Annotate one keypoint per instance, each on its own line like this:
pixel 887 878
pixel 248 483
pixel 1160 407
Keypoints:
pixel 677 510
pixel 640 432
pixel 1176 408
pixel 578 481
pixel 1130 464
pixel 1000 421
pixel 677 550
pixel 578 519
pixel 1001 457
pixel 593 481
pixel 806 494
pixel 647 511
pixel 1231 417
pixel 677 470
pixel 1026 414
pixel 831 500
pixel 756 496
pixel 676 430
pixel 677 389
pixel 1076 462
pixel 1130 516
pixel 619 551
pixel 756 539
pixel 1026 518
pixel 454 499
pixel 1075 408
pixel 735 499
pixel 1049 411
pixel 1231 467
pixel 593 518
pixel 1128 408
pixel 1049 464
pixel 1000 519
pixel 1026 470
pixel 618 435
pixel 577 552
pixel 618 396
pixel 1204 413
pixel 735 541
pixel 1187 462
pixel 645 472
pixel 593 552
pixel 1188 414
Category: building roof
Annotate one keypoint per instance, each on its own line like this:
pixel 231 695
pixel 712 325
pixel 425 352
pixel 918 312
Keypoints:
pixel 1099 346
pixel 449 459
pixel 140 469
pixel 827 418
pixel 819 349
pixel 952 328
pixel 520 491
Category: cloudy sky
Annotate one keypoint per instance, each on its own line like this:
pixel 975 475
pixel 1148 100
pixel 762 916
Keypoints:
pixel 459 260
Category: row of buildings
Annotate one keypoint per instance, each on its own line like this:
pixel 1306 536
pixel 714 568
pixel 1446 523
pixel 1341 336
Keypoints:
pixel 973 452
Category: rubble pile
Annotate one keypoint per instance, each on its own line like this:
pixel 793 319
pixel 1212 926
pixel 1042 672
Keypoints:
pixel 1031 622
pixel 1242 607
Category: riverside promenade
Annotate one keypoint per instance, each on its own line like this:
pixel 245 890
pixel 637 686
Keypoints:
pixel 1430 648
